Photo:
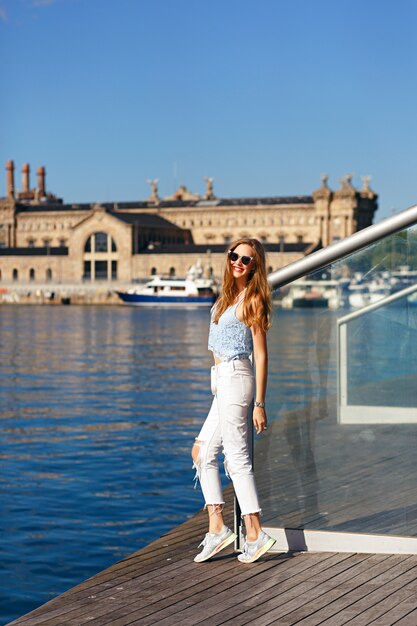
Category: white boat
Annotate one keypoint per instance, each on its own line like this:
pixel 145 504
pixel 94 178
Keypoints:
pixel 313 293
pixel 358 296
pixel 178 292
pixel 402 278
pixel 378 289
pixel 362 294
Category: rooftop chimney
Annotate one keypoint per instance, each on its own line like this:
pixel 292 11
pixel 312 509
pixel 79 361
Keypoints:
pixel 10 179
pixel 41 182
pixel 25 178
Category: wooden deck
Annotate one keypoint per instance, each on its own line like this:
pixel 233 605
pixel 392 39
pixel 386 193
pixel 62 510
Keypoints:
pixel 162 585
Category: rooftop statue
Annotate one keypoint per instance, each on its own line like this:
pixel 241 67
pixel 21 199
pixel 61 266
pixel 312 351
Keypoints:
pixel 154 190
pixel 209 195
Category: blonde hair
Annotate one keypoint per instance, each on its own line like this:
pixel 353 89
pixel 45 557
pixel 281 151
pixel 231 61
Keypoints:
pixel 257 299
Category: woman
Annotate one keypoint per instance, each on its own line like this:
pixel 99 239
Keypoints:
pixel 239 322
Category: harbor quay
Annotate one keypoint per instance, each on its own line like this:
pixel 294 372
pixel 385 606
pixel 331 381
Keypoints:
pixel 62 294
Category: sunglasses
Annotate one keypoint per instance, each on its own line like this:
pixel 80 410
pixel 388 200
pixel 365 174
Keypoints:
pixel 233 256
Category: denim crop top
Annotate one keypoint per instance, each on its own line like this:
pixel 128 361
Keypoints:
pixel 230 338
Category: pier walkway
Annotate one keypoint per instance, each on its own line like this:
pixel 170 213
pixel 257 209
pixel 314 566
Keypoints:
pixel 162 585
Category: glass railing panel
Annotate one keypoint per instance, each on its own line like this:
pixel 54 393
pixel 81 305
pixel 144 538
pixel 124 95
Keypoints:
pixel 378 361
pixel 314 470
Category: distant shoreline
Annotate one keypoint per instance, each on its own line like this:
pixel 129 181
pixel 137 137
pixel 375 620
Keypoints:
pixel 59 294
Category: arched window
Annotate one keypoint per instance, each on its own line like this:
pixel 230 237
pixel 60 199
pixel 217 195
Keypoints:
pixel 15 274
pixel 31 274
pixel 153 271
pixel 172 271
pixel 100 242
pixel 100 257
pixel 48 275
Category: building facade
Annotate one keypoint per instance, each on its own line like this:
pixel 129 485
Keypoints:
pixel 42 239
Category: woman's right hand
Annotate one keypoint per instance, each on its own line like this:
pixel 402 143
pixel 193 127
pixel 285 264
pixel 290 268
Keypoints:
pixel 259 419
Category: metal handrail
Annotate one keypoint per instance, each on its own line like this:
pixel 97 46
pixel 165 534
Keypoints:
pixel 336 251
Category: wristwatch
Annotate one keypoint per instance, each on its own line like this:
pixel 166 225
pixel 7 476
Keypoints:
pixel 260 404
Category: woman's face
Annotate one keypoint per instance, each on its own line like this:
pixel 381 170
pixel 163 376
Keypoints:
pixel 238 269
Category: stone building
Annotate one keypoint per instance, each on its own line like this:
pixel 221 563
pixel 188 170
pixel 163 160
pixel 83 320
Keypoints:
pixel 42 239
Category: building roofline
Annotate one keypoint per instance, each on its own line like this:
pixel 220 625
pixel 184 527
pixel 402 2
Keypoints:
pixel 115 207
pixel 300 247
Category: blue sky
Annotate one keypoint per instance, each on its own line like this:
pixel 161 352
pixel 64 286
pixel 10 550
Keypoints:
pixel 263 95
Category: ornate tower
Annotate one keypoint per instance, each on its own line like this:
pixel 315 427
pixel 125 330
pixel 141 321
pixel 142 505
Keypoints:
pixel 7 210
pixel 322 200
pixel 344 211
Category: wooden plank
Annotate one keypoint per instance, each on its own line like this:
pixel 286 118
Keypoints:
pixel 293 593
pixel 389 609
pixel 284 581
pixel 283 604
pixel 408 620
pixel 339 604
pixel 254 586
pixel 240 574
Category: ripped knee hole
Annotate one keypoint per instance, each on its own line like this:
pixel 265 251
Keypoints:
pixel 195 451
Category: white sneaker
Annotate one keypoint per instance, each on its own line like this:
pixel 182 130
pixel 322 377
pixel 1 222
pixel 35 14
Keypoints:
pixel 252 550
pixel 214 542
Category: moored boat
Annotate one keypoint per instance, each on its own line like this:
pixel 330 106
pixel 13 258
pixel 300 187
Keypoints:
pixel 179 292
pixel 313 293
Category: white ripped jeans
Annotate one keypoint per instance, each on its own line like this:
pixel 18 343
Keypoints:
pixel 227 426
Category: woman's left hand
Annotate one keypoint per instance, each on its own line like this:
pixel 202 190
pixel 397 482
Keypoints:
pixel 259 419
